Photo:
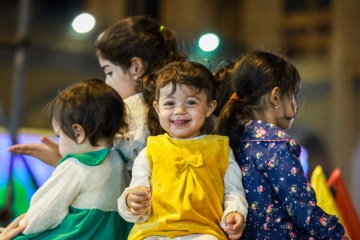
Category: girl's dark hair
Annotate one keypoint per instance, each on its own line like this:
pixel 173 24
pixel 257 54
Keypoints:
pixel 146 39
pixel 224 88
pixel 190 74
pixel 93 104
pixel 255 74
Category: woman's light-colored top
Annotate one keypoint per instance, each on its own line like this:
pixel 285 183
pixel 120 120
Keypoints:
pixel 132 142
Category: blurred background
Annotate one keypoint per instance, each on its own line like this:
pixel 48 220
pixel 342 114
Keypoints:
pixel 41 53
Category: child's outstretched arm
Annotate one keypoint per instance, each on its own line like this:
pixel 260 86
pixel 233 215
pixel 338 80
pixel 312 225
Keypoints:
pixel 235 204
pixel 134 204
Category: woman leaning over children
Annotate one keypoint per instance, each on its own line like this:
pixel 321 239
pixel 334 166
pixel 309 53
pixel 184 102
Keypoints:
pixel 128 50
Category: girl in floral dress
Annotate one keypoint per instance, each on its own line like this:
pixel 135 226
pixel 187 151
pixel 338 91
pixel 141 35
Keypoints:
pixel 282 203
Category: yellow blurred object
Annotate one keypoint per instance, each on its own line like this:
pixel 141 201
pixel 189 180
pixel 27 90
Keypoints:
pixel 324 197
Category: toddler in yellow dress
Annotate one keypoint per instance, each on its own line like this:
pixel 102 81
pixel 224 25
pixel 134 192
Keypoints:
pixel 185 184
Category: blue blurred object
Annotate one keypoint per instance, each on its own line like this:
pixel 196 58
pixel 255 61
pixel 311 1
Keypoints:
pixel 28 174
pixel 304 161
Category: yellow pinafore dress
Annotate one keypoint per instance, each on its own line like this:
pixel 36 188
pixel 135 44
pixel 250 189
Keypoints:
pixel 187 186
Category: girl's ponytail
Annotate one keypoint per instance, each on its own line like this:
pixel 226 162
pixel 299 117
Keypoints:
pixel 228 124
pixel 223 85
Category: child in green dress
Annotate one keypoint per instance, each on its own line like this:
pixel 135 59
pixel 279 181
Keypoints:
pixel 79 201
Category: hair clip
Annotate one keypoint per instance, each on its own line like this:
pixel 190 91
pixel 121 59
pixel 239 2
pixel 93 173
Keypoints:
pixel 234 97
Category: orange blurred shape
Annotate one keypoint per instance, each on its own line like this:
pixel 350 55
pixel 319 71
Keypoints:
pixel 345 205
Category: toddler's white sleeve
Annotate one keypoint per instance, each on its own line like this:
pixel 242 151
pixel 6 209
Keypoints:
pixel 141 176
pixel 234 194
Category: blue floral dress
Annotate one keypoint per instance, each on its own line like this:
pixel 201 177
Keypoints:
pixel 282 203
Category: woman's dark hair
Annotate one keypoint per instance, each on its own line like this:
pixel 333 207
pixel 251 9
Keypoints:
pixel 190 74
pixel 146 39
pixel 255 74
pixel 140 37
pixel 94 105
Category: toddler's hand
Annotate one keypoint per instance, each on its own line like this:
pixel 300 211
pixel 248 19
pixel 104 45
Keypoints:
pixel 235 224
pixel 138 200
pixel 13 229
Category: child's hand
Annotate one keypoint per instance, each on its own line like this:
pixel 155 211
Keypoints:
pixel 138 200
pixel 13 229
pixel 235 224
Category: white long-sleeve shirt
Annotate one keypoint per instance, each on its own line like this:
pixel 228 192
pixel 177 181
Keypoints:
pixel 234 194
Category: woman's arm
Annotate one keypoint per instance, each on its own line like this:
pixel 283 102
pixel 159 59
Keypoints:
pixel 47 151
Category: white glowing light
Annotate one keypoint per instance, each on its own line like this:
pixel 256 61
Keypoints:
pixel 209 42
pixel 83 23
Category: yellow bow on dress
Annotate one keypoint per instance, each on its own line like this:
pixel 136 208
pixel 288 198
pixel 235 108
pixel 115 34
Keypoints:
pixel 195 160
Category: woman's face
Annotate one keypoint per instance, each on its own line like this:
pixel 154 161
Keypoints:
pixel 119 79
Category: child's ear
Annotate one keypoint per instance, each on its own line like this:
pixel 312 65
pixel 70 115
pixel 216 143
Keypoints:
pixel 79 133
pixel 211 108
pixel 275 96
pixel 156 106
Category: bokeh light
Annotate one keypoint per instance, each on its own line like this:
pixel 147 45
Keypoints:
pixel 209 42
pixel 83 23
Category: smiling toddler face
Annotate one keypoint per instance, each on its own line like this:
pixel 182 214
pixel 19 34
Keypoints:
pixel 183 112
